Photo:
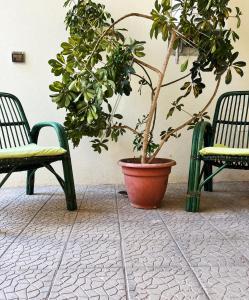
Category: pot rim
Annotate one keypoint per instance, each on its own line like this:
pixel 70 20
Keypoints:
pixel 135 163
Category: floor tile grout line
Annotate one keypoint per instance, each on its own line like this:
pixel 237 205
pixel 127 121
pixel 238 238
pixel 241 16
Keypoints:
pixel 64 248
pixel 235 248
pixel 127 291
pixel 20 233
pixel 190 267
pixel 86 188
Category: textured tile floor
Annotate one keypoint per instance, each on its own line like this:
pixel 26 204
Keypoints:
pixel 108 250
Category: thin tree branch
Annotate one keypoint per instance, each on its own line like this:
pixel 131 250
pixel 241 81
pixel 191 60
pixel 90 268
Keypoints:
pixel 186 112
pixel 112 26
pixel 167 136
pixel 140 62
pixel 147 74
pixel 174 81
pixel 142 78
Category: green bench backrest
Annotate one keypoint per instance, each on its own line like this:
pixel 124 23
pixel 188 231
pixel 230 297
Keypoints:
pixel 231 120
pixel 14 127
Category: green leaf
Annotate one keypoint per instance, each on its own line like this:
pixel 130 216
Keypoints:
pixel 139 54
pixel 185 86
pixel 66 46
pixel 213 49
pixel 170 113
pixel 60 58
pixel 56 98
pixel 118 116
pixel 239 71
pixel 54 63
pixel 184 66
pixel 153 28
pixel 56 86
pixel 240 64
pixel 228 78
pixel 234 56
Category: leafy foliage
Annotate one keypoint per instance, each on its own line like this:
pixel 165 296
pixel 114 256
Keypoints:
pixel 97 62
pixel 201 25
pixel 89 79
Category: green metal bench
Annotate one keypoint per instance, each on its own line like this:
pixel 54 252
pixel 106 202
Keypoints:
pixel 230 129
pixel 16 139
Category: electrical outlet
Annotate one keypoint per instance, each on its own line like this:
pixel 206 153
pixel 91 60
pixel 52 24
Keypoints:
pixel 18 57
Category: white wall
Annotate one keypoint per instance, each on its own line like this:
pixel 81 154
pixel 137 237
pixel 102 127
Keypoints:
pixel 36 27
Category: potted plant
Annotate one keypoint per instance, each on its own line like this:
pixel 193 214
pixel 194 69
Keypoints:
pixel 98 61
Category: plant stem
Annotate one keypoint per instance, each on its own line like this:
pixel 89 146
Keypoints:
pixel 174 81
pixel 140 62
pixel 142 78
pixel 155 98
pixel 147 74
pixel 186 123
pixel 112 26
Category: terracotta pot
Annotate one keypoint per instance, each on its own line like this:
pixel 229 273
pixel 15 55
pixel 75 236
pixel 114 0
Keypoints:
pixel 146 183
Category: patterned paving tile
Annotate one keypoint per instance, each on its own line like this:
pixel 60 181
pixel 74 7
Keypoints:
pixel 8 195
pixel 152 253
pixel 139 231
pixel 225 282
pixel 210 250
pixel 58 202
pixel 236 232
pixel 165 283
pixel 25 284
pixel 128 214
pixel 37 248
pixel 13 220
pixel 92 254
pixel 99 198
pixel 109 250
pixel 84 284
pixel 95 225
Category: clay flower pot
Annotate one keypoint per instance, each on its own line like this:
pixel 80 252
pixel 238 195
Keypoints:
pixel 146 183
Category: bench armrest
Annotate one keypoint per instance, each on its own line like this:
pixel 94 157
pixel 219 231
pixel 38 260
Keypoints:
pixel 202 137
pixel 59 129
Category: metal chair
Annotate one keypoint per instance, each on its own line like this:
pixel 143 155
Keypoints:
pixel 15 132
pixel 230 128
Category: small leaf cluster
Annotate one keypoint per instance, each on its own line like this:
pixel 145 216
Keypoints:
pixel 138 140
pixel 169 132
pixel 198 118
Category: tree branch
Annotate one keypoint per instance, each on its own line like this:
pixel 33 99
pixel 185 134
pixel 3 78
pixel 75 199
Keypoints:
pixel 112 26
pixel 142 78
pixel 174 81
pixel 167 136
pixel 147 74
pixel 140 62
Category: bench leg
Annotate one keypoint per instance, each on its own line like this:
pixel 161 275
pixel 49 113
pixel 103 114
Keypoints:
pixel 193 195
pixel 208 170
pixel 30 182
pixel 69 184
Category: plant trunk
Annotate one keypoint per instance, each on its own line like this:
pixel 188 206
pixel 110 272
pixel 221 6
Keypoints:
pixel 155 99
